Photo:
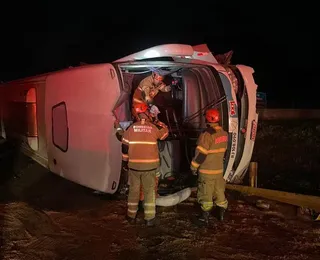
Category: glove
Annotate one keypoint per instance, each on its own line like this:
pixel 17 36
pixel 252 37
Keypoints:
pixel 194 171
pixel 165 87
pixel 159 123
pixel 168 88
pixel 154 110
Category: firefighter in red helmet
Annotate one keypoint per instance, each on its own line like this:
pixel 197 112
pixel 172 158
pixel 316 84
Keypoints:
pixel 208 164
pixel 141 156
pixel 119 135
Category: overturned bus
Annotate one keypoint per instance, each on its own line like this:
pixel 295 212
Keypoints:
pixel 64 120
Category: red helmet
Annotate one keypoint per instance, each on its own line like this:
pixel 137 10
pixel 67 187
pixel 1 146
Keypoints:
pixel 213 115
pixel 140 108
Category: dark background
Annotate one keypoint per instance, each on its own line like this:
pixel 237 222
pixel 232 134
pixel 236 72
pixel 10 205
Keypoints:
pixel 275 38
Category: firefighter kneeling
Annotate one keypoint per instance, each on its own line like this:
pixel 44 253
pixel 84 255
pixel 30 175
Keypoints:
pixel 208 161
pixel 140 153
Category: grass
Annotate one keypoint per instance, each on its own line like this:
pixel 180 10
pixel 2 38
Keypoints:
pixel 288 155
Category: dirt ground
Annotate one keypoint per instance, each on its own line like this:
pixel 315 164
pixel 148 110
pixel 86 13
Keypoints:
pixel 46 217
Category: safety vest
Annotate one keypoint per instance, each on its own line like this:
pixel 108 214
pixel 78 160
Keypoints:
pixel 211 147
pixel 140 139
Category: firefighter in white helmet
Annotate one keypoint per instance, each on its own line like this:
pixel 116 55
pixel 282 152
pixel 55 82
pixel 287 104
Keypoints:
pixel 149 87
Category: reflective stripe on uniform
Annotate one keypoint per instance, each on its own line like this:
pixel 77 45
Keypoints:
pixel 125 157
pixel 142 142
pixel 132 204
pixel 205 151
pixel 207 203
pixel 202 150
pixel 151 212
pixel 164 136
pixel 125 141
pixel 149 204
pixel 132 211
pixel 144 160
pixel 138 100
pixel 194 164
pixel 223 204
pixel 206 206
pixel 219 150
pixel 211 171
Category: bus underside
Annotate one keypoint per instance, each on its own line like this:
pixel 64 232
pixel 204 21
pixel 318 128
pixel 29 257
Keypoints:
pixel 194 89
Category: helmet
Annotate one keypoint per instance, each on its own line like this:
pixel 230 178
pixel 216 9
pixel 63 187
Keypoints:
pixel 159 74
pixel 140 108
pixel 213 115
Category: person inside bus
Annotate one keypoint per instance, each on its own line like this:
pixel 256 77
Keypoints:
pixel 148 88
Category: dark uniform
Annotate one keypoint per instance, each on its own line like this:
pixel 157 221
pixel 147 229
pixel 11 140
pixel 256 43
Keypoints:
pixel 208 160
pixel 140 150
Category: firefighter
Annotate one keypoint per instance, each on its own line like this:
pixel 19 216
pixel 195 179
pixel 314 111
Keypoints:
pixel 208 162
pixel 140 153
pixel 153 112
pixel 119 135
pixel 149 87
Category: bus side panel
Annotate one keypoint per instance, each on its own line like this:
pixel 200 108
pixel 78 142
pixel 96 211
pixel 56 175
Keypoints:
pixel 82 146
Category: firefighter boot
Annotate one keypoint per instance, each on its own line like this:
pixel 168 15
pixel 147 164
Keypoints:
pixel 130 220
pixel 220 213
pixel 151 222
pixel 203 219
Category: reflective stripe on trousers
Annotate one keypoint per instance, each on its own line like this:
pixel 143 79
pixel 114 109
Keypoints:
pixel 155 189
pixel 209 186
pixel 148 181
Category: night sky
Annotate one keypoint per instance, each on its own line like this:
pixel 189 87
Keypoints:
pixel 275 39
